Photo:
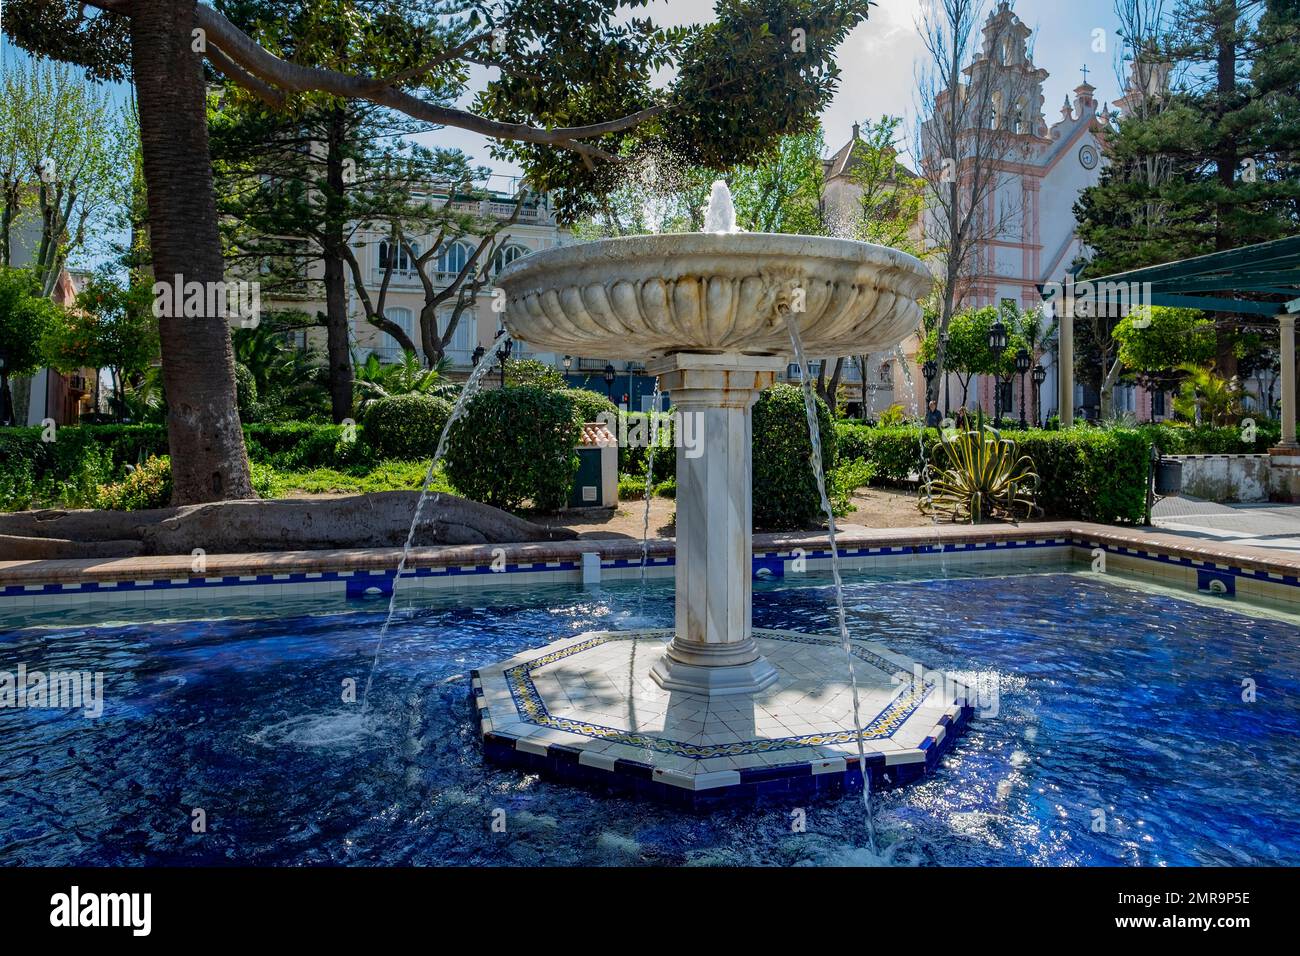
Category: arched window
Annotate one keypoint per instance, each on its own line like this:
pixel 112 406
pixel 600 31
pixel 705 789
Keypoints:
pixel 453 257
pixel 404 262
pixel 403 317
pixel 508 254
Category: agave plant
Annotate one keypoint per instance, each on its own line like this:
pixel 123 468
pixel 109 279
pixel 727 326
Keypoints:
pixel 977 474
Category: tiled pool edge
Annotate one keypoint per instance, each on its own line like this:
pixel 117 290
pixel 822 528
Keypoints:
pixel 1172 559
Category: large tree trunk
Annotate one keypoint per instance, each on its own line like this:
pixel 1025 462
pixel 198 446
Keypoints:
pixel 338 348
pixel 209 462
pixel 337 344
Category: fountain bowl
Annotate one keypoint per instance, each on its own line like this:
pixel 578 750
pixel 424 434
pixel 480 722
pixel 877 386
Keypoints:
pixel 647 296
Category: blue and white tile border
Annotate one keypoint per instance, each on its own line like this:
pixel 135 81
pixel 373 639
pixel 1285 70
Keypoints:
pixel 1174 561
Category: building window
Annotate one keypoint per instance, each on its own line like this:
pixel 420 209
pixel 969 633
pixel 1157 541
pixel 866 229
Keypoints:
pixel 403 262
pixel 508 254
pixel 405 318
pixel 1008 398
pixel 452 258
pixel 1158 403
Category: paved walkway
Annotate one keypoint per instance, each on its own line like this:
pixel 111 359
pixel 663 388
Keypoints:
pixel 1271 526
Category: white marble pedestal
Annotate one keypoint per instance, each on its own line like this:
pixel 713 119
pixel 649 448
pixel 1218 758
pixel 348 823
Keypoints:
pixel 713 651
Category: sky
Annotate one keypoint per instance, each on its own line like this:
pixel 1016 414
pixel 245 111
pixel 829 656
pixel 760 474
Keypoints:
pixel 879 62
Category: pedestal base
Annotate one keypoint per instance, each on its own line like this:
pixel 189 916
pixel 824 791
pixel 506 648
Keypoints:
pixel 714 670
pixel 589 709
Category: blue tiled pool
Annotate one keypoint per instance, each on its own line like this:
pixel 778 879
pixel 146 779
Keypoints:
pixel 1122 736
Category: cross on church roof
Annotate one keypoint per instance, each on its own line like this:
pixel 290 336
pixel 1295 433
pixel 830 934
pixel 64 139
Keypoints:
pixel 1085 73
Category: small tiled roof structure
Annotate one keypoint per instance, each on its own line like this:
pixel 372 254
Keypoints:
pixel 596 435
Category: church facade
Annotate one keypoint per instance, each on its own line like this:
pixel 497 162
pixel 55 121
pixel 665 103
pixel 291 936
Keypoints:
pixel 1037 181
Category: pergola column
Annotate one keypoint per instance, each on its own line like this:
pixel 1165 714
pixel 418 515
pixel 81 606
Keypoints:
pixel 1284 458
pixel 1286 359
pixel 1065 364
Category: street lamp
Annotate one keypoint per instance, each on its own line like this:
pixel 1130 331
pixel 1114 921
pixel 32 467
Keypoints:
pixel 929 369
pixel 568 363
pixel 609 381
pixel 1022 366
pixel 997 345
pixel 1039 376
pixel 479 352
pixel 504 356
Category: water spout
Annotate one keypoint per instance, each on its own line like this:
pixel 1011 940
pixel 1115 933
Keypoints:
pixel 720 217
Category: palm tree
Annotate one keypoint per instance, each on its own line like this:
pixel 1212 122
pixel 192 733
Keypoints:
pixel 208 459
pixel 375 380
pixel 1207 398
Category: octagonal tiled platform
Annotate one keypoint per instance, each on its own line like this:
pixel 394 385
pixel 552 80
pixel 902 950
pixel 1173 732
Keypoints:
pixel 586 709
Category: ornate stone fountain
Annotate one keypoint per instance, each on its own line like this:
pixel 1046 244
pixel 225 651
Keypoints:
pixel 707 313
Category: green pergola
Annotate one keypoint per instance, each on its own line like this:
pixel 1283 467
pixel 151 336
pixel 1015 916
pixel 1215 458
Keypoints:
pixel 1260 282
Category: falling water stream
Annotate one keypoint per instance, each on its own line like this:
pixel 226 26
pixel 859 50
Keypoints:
pixel 814 435
pixel 471 386
pixel 649 487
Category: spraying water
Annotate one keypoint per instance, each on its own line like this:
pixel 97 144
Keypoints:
pixel 814 434
pixel 721 214
pixel 471 386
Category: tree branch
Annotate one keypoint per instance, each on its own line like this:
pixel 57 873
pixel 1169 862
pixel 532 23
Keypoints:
pixel 293 77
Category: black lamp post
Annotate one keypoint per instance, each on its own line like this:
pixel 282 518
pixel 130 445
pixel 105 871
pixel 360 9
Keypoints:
pixel 609 381
pixel 1022 366
pixel 929 369
pixel 479 352
pixel 997 345
pixel 504 355
pixel 1039 376
pixel 568 363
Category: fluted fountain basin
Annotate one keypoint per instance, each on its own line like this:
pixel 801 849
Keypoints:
pixel 645 296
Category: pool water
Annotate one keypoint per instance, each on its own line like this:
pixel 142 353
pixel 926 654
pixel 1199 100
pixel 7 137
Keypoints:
pixel 1121 737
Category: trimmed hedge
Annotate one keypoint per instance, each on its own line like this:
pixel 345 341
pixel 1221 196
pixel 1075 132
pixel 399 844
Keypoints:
pixel 515 444
pixel 894 451
pixel 1093 474
pixel 785 489
pixel 1208 440
pixel 406 426
pixel 70 469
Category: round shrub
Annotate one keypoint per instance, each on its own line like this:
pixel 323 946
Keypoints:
pixel 589 406
pixel 406 426
pixel 785 489
pixel 513 445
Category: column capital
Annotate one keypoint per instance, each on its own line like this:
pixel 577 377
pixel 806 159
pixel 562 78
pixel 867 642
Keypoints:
pixel 726 380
